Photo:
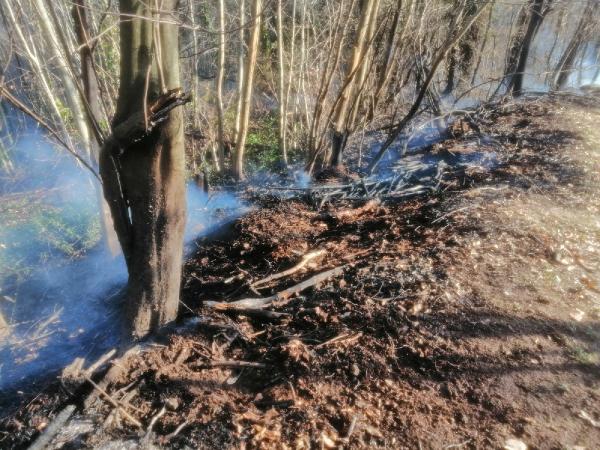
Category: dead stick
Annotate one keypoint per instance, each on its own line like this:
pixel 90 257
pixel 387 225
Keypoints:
pixel 341 338
pixel 100 362
pixel 281 298
pixel 232 365
pixel 303 262
pixel 170 436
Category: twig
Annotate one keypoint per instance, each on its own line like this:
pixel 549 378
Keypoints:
pixel 100 362
pixel 161 413
pixel 231 365
pixel 344 337
pixel 170 436
pixel 303 262
pixel 351 428
pixel 113 402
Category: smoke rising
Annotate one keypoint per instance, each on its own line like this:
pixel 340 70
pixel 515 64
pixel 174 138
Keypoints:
pixel 59 288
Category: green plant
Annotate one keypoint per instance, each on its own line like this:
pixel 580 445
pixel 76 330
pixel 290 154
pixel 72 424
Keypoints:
pixel 262 144
pixel 32 233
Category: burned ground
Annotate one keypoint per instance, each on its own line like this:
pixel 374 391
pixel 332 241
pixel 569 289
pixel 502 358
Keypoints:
pixel 462 318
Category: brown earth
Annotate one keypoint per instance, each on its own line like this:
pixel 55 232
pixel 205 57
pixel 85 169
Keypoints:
pixel 463 319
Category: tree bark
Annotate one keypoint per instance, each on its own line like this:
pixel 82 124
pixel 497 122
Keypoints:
pixel 143 168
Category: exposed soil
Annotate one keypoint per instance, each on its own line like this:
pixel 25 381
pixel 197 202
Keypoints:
pixel 462 319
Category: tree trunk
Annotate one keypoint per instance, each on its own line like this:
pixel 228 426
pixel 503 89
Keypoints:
pixel 220 76
pixel 93 97
pixel 520 53
pixel 450 72
pixel 60 55
pixel 144 174
pixel 281 84
pixel 567 60
pixel 240 75
pixel 238 160
pixel 339 133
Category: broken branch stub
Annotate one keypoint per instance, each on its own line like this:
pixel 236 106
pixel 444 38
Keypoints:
pixel 142 123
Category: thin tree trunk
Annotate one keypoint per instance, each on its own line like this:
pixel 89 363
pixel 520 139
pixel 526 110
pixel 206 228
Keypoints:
pixel 50 34
pixel 484 42
pixel 93 97
pixel 240 77
pixel 538 10
pixel 290 78
pixel 567 60
pixel 302 65
pixel 144 178
pixel 238 161
pixel 339 132
pixel 281 84
pixel 34 60
pixel 394 38
pixel 195 90
pixel 220 76
pixel 365 68
pixel 331 65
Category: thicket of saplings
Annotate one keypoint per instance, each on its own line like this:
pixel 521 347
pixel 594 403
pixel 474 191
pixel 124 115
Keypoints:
pixel 309 77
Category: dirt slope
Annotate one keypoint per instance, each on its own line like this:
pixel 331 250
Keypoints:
pixel 462 319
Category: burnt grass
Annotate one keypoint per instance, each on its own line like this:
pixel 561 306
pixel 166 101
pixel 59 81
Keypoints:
pixel 404 350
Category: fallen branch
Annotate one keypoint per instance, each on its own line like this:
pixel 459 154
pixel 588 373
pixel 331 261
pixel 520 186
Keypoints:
pixel 303 262
pixel 280 298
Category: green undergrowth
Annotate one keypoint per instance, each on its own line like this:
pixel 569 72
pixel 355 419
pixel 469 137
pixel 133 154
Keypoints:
pixel 262 146
pixel 35 233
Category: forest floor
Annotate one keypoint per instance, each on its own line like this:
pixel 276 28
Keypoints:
pixel 468 318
